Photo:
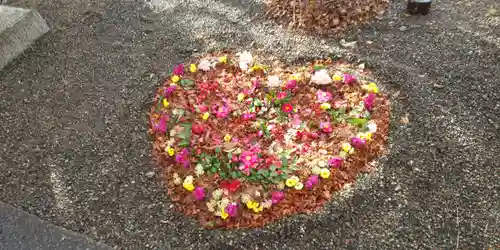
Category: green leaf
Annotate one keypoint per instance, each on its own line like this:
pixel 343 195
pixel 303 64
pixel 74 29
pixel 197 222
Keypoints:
pixel 272 168
pixel 223 175
pixel 184 143
pixel 357 121
pixel 318 67
pixel 186 82
pixel 230 155
pixel 234 174
pixel 274 174
pixel 284 161
pixel 213 169
pixel 217 150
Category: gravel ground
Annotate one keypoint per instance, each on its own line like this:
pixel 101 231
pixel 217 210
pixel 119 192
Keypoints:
pixel 76 151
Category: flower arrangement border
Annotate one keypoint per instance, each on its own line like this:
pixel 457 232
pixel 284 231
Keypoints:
pixel 298 201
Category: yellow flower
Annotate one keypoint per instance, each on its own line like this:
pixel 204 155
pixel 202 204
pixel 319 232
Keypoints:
pixel 227 137
pixel 223 214
pixel 223 59
pixel 176 78
pixel 252 204
pixel 170 151
pixel 165 103
pixel 188 186
pixel 324 173
pixel 373 87
pixel 193 68
pixel 295 77
pixel 347 148
pixel 258 208
pixel 205 116
pixel 368 135
pixel 325 106
pixel 337 78
pixel 290 182
pixel 257 67
pixel 241 96
pixel 299 186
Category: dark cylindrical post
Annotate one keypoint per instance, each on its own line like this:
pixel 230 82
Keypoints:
pixel 419 6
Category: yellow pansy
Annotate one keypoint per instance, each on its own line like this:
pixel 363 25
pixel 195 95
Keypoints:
pixel 292 181
pixel 257 67
pixel 241 96
pixel 188 186
pixel 176 78
pixel 258 208
pixel 193 68
pixel 223 59
pixel 227 137
pixel 165 103
pixel 295 77
pixel 170 151
pixel 337 78
pixel 205 116
pixel 347 148
pixel 252 204
pixel 324 173
pixel 325 106
pixel 373 87
pixel 365 136
pixel 223 214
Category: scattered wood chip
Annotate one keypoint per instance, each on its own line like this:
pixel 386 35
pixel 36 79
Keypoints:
pixel 405 120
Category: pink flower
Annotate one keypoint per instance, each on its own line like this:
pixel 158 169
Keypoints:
pixel 161 125
pixel 312 181
pixel 248 158
pixel 326 127
pixel 231 209
pixel 357 142
pixel 183 157
pixel 369 102
pixel 296 120
pixel 281 95
pixel 287 108
pixel 169 90
pixel 323 96
pixel 199 193
pixel 222 112
pixel 202 108
pixel 291 84
pixel 179 70
pixel 248 116
pixel 277 196
pixel 335 162
pixel 349 79
pixel 256 82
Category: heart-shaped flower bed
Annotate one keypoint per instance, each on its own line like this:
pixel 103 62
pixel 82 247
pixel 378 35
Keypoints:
pixel 243 144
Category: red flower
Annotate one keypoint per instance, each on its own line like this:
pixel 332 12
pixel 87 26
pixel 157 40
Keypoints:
pixel 287 108
pixel 231 186
pixel 197 129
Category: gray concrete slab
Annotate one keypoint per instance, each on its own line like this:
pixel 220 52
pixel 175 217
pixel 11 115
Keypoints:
pixel 20 230
pixel 19 28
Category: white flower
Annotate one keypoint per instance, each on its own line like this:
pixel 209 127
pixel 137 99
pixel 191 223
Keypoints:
pixel 273 82
pixel 177 179
pixel 321 77
pixel 217 194
pixel 372 127
pixel 245 59
pixel 189 179
pixel 316 170
pixel 199 170
pixel 204 65
pixel 299 186
pixel 322 164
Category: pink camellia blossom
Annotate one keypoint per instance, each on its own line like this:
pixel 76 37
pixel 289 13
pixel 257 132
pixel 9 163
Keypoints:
pixel 222 112
pixel 312 181
pixel 161 125
pixel 335 162
pixel 231 209
pixel 349 79
pixel 248 158
pixel 179 70
pixel 323 96
pixel 281 95
pixel 291 84
pixel 357 142
pixel 249 116
pixel 169 90
pixel 277 196
pixel 199 193
pixel 369 102
pixel 326 127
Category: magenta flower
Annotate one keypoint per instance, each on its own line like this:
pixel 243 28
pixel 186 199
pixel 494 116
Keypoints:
pixel 349 79
pixel 312 181
pixel 231 209
pixel 326 127
pixel 183 157
pixel 248 116
pixel 369 102
pixel 323 96
pixel 248 158
pixel 335 162
pixel 281 95
pixel 291 84
pixel 169 90
pixel 277 196
pixel 222 112
pixel 255 82
pixel 161 125
pixel 199 193
pixel 179 70
pixel 357 142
